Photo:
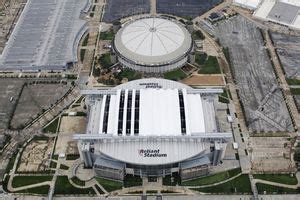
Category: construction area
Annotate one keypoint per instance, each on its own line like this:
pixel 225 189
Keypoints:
pixel 35 157
pixel 288 50
pixel 271 154
pixel 69 125
pixel 262 100
pixel 35 99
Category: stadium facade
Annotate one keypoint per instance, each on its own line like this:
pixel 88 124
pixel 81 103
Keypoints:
pixel 153 44
pixel 152 127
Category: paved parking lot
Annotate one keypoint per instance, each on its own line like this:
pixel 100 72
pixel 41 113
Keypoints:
pixel 9 92
pixel 288 50
pixel 34 99
pixel 263 102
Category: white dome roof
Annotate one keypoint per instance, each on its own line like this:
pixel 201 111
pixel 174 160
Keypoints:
pixel 153 41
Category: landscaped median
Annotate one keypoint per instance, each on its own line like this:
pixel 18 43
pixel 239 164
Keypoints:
pixel 110 185
pixel 215 178
pixel 20 181
pixel 63 186
pixel 271 189
pixel 278 178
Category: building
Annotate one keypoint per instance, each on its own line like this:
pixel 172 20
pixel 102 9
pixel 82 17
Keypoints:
pixel 152 127
pixel 284 12
pixel 249 4
pixel 153 44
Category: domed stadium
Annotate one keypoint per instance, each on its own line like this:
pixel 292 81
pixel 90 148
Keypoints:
pixel 153 44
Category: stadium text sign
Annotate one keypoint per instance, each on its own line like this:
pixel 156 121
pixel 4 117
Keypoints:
pixel 151 153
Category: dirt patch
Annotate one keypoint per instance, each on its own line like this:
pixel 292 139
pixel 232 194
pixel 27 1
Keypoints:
pixel 205 80
pixel 69 126
pixel 35 156
pixel 271 154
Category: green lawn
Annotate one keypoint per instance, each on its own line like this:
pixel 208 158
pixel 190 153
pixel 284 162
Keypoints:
pixel 172 180
pixel 53 164
pixel 105 61
pixel 19 181
pixel 82 53
pixel 211 66
pixel 11 162
pixel 175 75
pixel 129 74
pixel 278 178
pixel 85 40
pixel 131 181
pixel 62 166
pixel 224 97
pixel 270 189
pixel 63 186
pixel 109 185
pixel 292 81
pixel 77 181
pixel 200 58
pixel 239 185
pixel 72 156
pixel 108 35
pixel 198 35
pixel 213 178
pixel 295 91
pixel 41 190
pixel 51 128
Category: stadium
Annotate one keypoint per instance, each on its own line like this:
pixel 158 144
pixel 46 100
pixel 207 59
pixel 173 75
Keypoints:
pixel 152 44
pixel 152 127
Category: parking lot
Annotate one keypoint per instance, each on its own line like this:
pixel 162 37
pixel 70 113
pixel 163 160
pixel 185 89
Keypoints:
pixel 288 50
pixel 264 107
pixel 117 9
pixel 34 99
pixel 185 8
pixel 9 92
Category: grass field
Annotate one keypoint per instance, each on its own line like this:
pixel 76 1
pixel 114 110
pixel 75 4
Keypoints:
pixel 129 74
pixel 51 128
pixel 239 185
pixel 77 181
pixel 63 186
pixel 41 190
pixel 270 189
pixel 130 181
pixel 213 178
pixel 292 81
pixel 210 66
pixel 175 75
pixel 295 91
pixel 278 178
pixel 109 185
pixel 105 61
pixel 108 35
pixel 19 181
pixel 200 58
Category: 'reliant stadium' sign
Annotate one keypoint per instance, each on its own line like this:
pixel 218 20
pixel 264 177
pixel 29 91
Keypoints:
pixel 151 153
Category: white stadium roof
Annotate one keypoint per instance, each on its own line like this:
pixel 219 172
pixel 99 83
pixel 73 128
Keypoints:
pixel 153 41
pixel 169 117
pixel 159 111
